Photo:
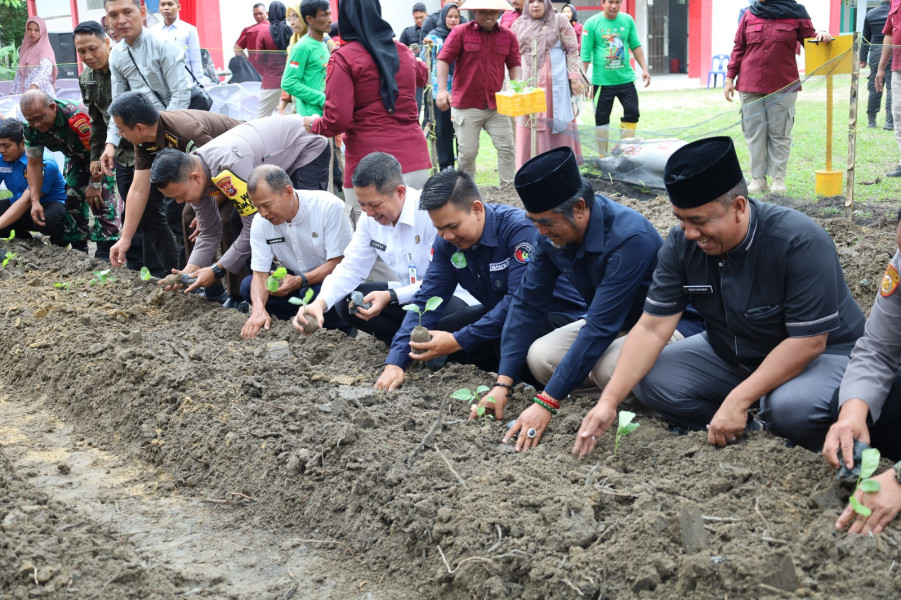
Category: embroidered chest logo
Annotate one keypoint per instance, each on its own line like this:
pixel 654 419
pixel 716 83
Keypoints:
pixel 889 282
pixel 458 260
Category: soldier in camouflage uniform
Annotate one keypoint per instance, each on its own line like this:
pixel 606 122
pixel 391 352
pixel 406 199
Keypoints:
pixel 64 126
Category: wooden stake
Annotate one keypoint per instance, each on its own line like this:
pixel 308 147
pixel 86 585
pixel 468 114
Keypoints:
pixel 852 128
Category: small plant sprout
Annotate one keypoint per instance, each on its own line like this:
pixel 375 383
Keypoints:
pixel 869 462
pixel 431 304
pixel 101 277
pixel 9 256
pixel 473 396
pixel 306 298
pixel 273 281
pixel 420 334
pixel 12 234
pixel 145 274
pixel 312 324
pixel 624 427
pixel 63 285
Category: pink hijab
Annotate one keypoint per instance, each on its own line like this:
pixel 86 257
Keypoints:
pixel 31 53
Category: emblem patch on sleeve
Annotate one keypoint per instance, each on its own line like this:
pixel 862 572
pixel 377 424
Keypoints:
pixel 235 189
pixel 80 124
pixel 522 252
pixel 889 282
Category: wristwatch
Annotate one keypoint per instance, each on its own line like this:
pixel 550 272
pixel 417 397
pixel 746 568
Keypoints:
pixel 217 270
pixel 96 185
pixel 393 295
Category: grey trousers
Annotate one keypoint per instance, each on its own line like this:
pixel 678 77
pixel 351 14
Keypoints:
pixel 767 122
pixel 874 99
pixel 689 381
pixel 468 125
pixel 548 351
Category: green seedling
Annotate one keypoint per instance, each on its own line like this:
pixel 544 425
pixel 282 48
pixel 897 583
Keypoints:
pixel 312 324
pixel 421 334
pixel 101 277
pixel 275 278
pixel 520 86
pixel 9 257
pixel 869 462
pixel 624 428
pixel 145 274
pixel 470 396
pixel 64 285
pixel 12 234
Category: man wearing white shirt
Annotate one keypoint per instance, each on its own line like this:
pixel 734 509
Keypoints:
pixel 305 231
pixel 395 230
pixel 183 34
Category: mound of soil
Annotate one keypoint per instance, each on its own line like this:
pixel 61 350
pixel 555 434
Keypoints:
pixel 413 499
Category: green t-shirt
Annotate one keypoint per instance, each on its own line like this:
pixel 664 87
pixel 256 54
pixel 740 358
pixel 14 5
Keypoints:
pixel 606 44
pixel 304 76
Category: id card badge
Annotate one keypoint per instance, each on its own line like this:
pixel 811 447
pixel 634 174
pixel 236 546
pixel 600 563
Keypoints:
pixel 411 270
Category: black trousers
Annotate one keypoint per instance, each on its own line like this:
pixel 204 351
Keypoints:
pixel 385 326
pixel 444 138
pixel 313 175
pixel 54 223
pixel 874 99
pixel 159 252
pixel 884 433
pixel 628 98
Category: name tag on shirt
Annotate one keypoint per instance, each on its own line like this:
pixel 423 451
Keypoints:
pixel 697 289
pixel 499 266
pixel 275 241
pixel 378 245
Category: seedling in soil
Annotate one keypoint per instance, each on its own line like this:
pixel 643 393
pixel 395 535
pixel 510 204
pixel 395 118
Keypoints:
pixel 101 277
pixel 9 256
pixel 145 274
pixel 624 428
pixel 312 324
pixel 64 285
pixel 869 462
pixel 473 396
pixel 274 279
pixel 421 334
pixel 12 234
pixel 178 279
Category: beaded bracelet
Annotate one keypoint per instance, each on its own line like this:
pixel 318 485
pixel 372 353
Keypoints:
pixel 504 385
pixel 549 401
pixel 553 411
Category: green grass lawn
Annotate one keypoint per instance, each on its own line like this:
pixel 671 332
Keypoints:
pixel 691 114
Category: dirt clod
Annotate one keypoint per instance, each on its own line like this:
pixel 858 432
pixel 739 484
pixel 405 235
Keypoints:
pixel 419 335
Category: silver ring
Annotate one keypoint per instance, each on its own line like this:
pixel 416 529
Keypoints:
pixel 531 432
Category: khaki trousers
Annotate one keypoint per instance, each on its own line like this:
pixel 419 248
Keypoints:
pixel 767 122
pixel 546 353
pixel 468 125
pixel 268 102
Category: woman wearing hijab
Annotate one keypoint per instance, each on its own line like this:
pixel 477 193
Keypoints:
pixel 299 29
pixel 271 56
pixel 37 62
pixel 569 11
pixel 559 73
pixel 769 36
pixel 370 96
pixel 444 127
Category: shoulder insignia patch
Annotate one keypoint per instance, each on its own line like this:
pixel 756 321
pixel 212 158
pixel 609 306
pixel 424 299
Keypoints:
pixel 522 252
pixel 80 124
pixel 889 282
pixel 235 189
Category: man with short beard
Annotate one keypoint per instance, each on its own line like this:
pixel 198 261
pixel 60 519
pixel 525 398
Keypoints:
pixel 609 253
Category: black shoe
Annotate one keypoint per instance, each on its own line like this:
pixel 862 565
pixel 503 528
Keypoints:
pixel 895 173
pixel 81 246
pixel 872 123
pixel 219 299
pixel 240 305
pixel 889 126
pixel 103 248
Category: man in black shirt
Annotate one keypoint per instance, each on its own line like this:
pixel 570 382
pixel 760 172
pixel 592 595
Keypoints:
pixel 870 52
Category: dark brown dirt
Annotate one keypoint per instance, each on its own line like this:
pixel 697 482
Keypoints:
pixel 402 491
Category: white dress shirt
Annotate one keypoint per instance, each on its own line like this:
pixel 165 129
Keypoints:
pixel 409 242
pixel 318 233
pixel 185 37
